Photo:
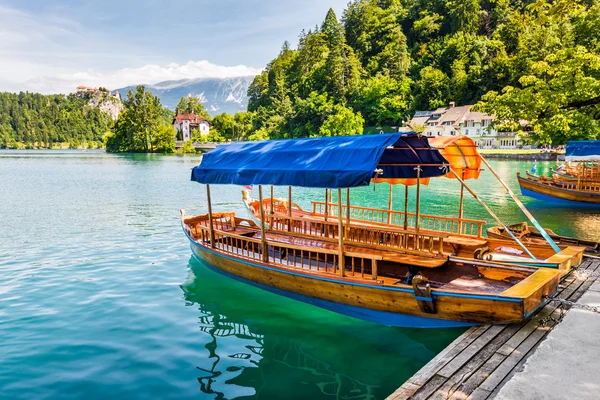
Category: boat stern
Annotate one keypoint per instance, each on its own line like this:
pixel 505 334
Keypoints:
pixel 535 289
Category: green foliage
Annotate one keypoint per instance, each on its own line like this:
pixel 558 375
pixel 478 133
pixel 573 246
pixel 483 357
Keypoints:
pixel 141 126
pixel 193 105
pixel 558 88
pixel 187 148
pixel 342 121
pixel 531 60
pixel 42 121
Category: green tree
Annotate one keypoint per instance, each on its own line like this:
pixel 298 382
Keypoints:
pixel 193 104
pixel 560 98
pixel 342 121
pixel 141 126
pixel 432 89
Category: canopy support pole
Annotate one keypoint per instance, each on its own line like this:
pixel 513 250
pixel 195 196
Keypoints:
pixel 271 208
pixel 405 207
pixel 522 207
pixel 341 261
pixel 263 237
pixel 389 216
pixel 211 229
pixel 348 206
pixel 326 210
pixel 418 211
pixel 492 214
pixel 290 208
pixel 460 204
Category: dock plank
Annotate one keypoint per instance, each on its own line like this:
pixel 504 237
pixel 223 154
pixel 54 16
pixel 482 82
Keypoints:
pixel 478 363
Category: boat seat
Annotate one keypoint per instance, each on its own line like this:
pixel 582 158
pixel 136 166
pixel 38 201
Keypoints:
pixel 418 261
pixel 466 241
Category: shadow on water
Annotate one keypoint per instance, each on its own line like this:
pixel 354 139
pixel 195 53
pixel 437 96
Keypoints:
pixel 266 346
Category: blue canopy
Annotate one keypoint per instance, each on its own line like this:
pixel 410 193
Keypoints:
pixel 583 150
pixel 409 153
pixel 329 162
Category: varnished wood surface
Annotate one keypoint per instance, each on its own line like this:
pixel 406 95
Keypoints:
pixel 478 363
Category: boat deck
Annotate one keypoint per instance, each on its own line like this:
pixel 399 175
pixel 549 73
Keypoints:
pixel 480 361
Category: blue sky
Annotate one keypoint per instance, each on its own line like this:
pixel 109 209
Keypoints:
pixel 52 46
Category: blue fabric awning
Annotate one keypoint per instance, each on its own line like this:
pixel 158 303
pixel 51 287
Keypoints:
pixel 409 153
pixel 583 150
pixel 329 162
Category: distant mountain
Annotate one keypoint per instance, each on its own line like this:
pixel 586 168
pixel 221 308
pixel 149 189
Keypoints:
pixel 218 94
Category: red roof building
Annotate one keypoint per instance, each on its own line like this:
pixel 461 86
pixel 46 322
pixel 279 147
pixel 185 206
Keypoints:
pixel 186 122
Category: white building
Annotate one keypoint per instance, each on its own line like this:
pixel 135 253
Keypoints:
pixel 185 123
pixel 477 125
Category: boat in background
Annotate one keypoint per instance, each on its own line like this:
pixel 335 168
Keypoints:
pixel 576 181
pixel 559 191
pixel 530 235
pixel 383 274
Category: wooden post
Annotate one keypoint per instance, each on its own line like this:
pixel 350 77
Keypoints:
pixel 290 208
pixel 210 218
pixel 418 211
pixel 389 217
pixel 493 215
pixel 374 269
pixel 460 205
pixel 341 261
pixel 263 236
pixel 405 207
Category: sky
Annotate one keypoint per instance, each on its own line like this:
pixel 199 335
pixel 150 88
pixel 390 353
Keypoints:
pixel 53 46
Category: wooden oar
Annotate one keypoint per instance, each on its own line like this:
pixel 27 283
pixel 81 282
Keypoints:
pixel 492 214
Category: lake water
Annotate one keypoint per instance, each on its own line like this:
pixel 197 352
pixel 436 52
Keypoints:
pixel 100 298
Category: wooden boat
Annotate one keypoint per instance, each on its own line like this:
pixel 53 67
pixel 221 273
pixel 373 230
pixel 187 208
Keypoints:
pixel 548 189
pixel 462 237
pixel 530 235
pixel 382 274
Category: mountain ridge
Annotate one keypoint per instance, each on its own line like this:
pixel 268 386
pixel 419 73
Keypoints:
pixel 217 94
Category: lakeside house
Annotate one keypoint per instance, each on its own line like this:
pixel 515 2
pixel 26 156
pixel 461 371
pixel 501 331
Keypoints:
pixel 477 125
pixel 186 123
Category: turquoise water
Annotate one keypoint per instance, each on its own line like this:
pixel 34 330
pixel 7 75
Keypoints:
pixel 100 298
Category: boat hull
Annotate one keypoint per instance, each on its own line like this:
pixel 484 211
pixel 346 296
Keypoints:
pixel 388 306
pixel 556 195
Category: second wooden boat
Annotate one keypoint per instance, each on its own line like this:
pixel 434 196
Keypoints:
pixel 564 192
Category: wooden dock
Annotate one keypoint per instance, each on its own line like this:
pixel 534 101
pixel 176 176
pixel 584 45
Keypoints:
pixel 478 363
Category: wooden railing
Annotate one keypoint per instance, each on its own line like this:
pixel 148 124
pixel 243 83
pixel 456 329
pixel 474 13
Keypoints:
pixel 383 237
pixel 286 254
pixel 458 226
pixel 581 186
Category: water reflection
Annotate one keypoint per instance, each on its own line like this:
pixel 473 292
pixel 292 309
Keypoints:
pixel 262 345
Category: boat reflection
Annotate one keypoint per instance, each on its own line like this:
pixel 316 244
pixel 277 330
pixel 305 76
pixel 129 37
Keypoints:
pixel 259 345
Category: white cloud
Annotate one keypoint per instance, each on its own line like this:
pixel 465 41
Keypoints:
pixel 148 74
pixel 50 53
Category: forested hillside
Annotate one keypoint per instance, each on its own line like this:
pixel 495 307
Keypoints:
pixel 30 119
pixel 384 59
